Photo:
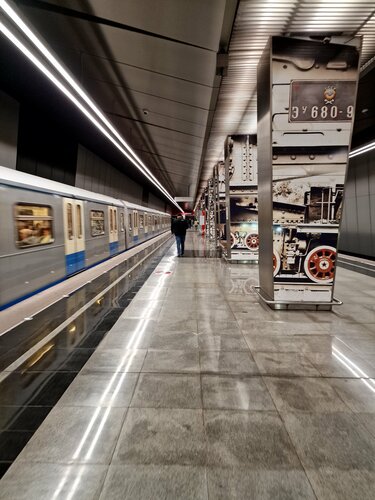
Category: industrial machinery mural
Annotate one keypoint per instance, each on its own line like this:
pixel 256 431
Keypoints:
pixel 310 112
pixel 241 198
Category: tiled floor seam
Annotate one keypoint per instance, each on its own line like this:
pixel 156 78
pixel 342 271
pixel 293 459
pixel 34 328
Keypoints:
pixel 291 441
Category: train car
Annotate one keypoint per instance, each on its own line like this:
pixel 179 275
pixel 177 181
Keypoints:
pixel 50 231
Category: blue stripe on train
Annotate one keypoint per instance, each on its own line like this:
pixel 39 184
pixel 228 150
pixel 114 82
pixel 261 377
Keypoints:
pixel 113 247
pixel 49 285
pixel 74 262
pixel 135 238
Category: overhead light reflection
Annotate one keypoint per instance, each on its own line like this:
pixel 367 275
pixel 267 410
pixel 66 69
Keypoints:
pixel 354 369
pixel 121 371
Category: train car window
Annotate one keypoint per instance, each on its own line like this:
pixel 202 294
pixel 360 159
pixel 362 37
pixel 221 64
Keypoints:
pixel 135 219
pixel 130 222
pixel 69 216
pixel 79 220
pixel 97 222
pixel 110 221
pixel 115 219
pixel 141 221
pixel 33 225
pixel 122 222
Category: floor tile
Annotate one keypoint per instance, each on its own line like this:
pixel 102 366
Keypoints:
pixel 42 388
pixel 12 443
pixel 304 394
pixel 256 439
pixel 358 394
pixel 22 418
pixel 75 435
pixel 126 339
pixel 253 483
pixel 171 361
pixel 368 421
pixel 235 362
pixel 218 327
pixel 331 440
pixel 176 326
pixel 115 360
pixel 100 389
pixel 167 391
pixel 290 343
pixel 172 341
pixel 340 363
pixel 162 437
pixel 143 308
pixel 235 393
pixel 229 342
pixel 43 481
pixel 264 327
pixel 217 315
pixel 284 364
pixel 337 484
pixel 140 482
pixel 360 344
pixel 174 315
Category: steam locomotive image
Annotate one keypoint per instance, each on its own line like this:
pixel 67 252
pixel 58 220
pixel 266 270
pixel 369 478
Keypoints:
pixel 305 234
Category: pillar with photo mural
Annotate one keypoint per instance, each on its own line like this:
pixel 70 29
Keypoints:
pixel 241 198
pixel 306 103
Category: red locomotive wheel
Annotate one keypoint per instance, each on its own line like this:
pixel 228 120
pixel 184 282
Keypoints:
pixel 320 264
pixel 276 262
pixel 252 242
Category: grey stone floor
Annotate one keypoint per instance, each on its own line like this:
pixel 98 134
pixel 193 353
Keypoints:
pixel 199 391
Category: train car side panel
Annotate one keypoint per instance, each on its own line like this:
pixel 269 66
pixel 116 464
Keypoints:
pixel 32 244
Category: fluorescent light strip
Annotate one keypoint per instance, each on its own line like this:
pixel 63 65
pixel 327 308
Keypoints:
pixel 134 158
pixel 362 150
pixel 44 50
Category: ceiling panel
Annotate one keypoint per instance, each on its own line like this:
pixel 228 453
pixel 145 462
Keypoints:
pixel 192 21
pixel 255 22
pixel 123 54
pixel 143 80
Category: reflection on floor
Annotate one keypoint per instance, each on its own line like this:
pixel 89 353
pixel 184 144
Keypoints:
pixel 29 392
pixel 199 391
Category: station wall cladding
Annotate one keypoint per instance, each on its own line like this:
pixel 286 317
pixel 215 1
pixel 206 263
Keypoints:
pixel 35 143
pixel 357 233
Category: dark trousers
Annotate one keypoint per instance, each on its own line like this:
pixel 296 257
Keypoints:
pixel 180 241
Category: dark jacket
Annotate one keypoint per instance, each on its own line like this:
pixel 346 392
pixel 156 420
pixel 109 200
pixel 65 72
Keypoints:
pixel 179 227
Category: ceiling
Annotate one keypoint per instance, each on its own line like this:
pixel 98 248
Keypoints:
pixel 157 68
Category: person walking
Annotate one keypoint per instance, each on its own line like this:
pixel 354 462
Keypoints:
pixel 178 228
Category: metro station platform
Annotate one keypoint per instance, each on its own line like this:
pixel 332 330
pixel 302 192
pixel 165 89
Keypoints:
pixel 199 391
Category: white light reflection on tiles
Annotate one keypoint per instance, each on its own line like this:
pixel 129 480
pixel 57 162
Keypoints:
pixel 74 486
pixel 122 368
pixel 353 368
pixel 132 344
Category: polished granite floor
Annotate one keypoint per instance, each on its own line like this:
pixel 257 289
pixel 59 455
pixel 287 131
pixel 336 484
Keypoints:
pixel 29 390
pixel 199 391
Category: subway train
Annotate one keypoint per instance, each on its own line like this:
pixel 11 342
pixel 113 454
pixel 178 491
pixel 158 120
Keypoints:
pixel 50 231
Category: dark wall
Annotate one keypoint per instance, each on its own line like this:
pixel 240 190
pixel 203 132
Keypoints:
pixel 357 233
pixel 8 130
pixel 45 148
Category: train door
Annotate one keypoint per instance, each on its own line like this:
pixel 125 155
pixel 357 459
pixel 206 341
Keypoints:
pixel 135 225
pixel 74 235
pixel 122 235
pixel 146 222
pixel 113 230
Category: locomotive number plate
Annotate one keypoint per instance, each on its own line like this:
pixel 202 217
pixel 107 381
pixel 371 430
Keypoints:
pixel 322 101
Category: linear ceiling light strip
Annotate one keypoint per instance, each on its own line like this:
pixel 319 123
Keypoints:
pixel 362 150
pixel 132 156
pixel 58 66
